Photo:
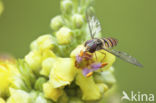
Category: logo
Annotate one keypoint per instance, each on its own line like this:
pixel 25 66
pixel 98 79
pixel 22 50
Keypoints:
pixel 137 96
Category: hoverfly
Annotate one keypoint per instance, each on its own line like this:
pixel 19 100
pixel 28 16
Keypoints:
pixel 107 44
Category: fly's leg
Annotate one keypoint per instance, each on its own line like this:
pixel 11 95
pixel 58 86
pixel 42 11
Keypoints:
pixel 95 56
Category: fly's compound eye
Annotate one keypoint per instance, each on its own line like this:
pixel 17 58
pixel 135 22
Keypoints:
pixel 91 47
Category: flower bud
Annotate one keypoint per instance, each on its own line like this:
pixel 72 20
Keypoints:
pixel 77 20
pixel 111 69
pixel 39 83
pixel 1 7
pixel 64 35
pixel 102 87
pixel 66 6
pixel 105 77
pixel 56 23
pixel 41 99
pixel 108 77
pixel 34 59
pixel 25 79
pixel 19 96
pixel 43 42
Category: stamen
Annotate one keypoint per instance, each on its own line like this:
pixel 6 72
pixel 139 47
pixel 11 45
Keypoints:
pixel 89 74
pixel 103 64
pixel 87 64
pixel 81 53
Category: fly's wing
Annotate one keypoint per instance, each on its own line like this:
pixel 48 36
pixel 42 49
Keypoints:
pixel 93 24
pixel 124 56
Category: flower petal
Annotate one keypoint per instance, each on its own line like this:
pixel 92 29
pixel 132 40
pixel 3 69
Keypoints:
pixel 85 71
pixel 90 90
pixel 63 72
pixel 78 58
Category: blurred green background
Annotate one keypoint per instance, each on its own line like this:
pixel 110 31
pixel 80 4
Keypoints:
pixel 132 22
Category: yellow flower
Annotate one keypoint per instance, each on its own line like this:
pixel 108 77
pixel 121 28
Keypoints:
pixel 2 100
pixel 95 90
pixel 43 42
pixel 88 87
pixel 47 65
pixel 41 48
pixel 101 56
pixel 48 60
pixel 51 92
pixel 8 70
pixel 48 54
pixel 63 72
pixel 106 57
pixel 34 59
pixel 64 98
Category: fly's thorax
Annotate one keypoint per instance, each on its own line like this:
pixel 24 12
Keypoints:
pixel 93 45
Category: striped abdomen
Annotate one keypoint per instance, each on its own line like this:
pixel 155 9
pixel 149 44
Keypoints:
pixel 109 42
